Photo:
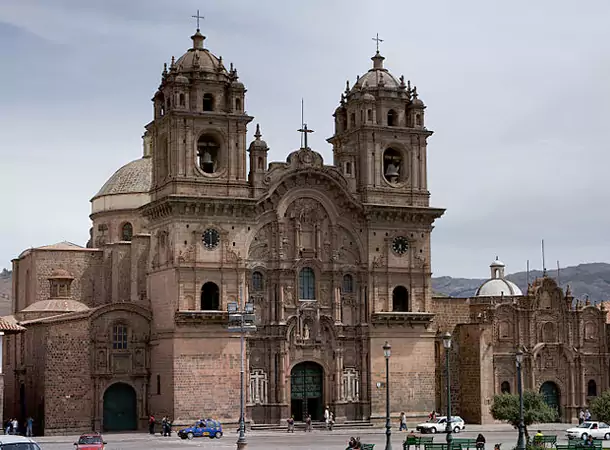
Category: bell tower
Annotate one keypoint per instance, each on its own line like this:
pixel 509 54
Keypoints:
pixel 380 138
pixel 198 132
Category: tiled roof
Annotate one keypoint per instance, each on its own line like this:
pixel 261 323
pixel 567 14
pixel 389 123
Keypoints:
pixel 9 325
pixel 64 245
pixel 134 177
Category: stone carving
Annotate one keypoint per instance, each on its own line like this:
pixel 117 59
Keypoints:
pixel 381 260
pixel 288 294
pixel 324 293
pixel 187 254
pixel 230 255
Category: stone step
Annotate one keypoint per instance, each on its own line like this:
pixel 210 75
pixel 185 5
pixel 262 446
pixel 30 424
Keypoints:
pixel 354 424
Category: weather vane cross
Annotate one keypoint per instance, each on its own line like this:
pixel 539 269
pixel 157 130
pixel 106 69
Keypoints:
pixel 198 17
pixel 376 39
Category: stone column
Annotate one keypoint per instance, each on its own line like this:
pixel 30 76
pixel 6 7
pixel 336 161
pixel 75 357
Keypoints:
pixel 282 375
pixel 337 303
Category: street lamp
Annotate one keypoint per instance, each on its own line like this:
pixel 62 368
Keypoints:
pixel 521 440
pixel 387 348
pixel 447 345
pixel 242 322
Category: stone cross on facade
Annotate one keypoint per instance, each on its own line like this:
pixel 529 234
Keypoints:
pixel 305 131
pixel 377 40
pixel 198 17
pixel 258 380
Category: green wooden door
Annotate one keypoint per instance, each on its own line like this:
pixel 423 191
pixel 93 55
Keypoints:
pixel 306 391
pixel 120 408
pixel 550 392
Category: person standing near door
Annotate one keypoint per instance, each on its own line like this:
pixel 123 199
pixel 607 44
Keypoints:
pixel 327 417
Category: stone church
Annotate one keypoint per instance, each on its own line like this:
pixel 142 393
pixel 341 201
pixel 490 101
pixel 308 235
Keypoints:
pixel 335 257
pixel 565 343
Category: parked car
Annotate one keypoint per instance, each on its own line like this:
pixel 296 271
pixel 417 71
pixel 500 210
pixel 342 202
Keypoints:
pixel 599 430
pixel 440 425
pixel 204 427
pixel 90 441
pixel 15 442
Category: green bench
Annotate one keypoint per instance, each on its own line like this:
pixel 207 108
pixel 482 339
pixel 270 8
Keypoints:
pixel 416 441
pixel 364 446
pixel 463 443
pixel 544 441
pixel 436 447
pixel 580 445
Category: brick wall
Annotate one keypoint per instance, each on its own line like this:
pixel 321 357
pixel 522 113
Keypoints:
pixel 448 312
pixel 68 394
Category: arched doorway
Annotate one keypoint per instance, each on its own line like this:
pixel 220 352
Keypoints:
pixel 120 408
pixel 307 391
pixel 210 297
pixel 400 299
pixel 550 392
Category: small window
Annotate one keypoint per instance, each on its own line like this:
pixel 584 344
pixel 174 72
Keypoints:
pixel 126 232
pixel 505 388
pixel 307 284
pixel 348 168
pixel 119 337
pixel 261 163
pixel 208 102
pixel 370 115
pixel 353 120
pixel 392 119
pixel 238 104
pixel 592 388
pixel 418 120
pixel 182 100
pixel 158 384
pixel 348 284
pixel 257 281
pixel 59 289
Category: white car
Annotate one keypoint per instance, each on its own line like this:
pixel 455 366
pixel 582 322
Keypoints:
pixel 15 442
pixel 599 430
pixel 439 425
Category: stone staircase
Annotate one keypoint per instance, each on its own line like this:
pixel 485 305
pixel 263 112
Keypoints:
pixel 300 426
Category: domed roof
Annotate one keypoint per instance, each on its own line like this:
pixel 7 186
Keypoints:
pixel 377 77
pixel 258 143
pixel 498 287
pixel 198 58
pixel 134 177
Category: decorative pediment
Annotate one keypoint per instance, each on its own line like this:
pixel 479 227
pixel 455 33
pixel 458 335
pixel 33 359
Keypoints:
pixel 304 158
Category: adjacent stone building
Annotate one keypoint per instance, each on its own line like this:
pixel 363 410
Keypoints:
pixel 565 342
pixel 336 259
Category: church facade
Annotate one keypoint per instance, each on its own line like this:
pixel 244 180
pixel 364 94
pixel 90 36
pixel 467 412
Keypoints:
pixel 335 257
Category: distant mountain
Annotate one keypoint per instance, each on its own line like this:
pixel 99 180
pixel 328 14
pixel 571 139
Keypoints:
pixel 592 280
pixel 6 288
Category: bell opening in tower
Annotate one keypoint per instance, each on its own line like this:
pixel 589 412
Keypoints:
pixel 392 162
pixel 208 153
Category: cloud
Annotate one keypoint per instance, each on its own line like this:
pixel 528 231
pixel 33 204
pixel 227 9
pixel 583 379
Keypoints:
pixel 517 95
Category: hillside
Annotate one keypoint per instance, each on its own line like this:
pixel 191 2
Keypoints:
pixel 592 280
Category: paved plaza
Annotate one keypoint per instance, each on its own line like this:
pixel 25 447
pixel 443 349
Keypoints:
pixel 272 440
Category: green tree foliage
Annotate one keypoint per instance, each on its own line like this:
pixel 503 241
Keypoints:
pixel 535 410
pixel 600 407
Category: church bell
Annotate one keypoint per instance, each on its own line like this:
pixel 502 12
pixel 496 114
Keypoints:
pixel 207 158
pixel 391 172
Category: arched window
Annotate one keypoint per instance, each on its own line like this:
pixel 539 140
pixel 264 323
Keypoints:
pixel 393 169
pixel 210 297
pixel 505 388
pixel 261 163
pixel 182 100
pixel 400 299
pixel 353 120
pixel 348 284
pixel 238 104
pixel 392 119
pixel 119 337
pixel 208 102
pixel 162 155
pixel 418 120
pixel 208 150
pixel 257 281
pixel 348 168
pixel 369 115
pixel 126 232
pixel 591 388
pixel 307 284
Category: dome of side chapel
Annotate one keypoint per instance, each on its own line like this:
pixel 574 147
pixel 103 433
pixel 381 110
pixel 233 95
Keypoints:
pixel 497 285
pixel 133 178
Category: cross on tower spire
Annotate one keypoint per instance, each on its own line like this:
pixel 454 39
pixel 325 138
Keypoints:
pixel 197 16
pixel 377 40
pixel 304 132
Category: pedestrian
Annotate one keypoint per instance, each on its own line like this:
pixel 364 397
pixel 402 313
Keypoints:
pixel 151 424
pixel 29 427
pixel 15 426
pixel 587 415
pixel 331 421
pixel 164 426
pixel 308 423
pixel 581 416
pixel 327 417
pixel 290 424
pixel 480 442
pixel 403 421
pixel 7 426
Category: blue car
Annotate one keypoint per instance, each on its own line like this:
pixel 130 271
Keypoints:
pixel 203 428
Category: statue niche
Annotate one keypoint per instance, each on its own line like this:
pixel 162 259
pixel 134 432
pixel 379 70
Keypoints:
pixel 309 222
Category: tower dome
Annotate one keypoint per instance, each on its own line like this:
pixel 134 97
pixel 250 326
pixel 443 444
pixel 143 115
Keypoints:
pixel 199 59
pixel 377 77
pixel 497 285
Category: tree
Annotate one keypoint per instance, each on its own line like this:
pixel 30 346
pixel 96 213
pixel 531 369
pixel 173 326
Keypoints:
pixel 535 409
pixel 600 407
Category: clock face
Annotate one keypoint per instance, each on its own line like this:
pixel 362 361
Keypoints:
pixel 211 238
pixel 400 245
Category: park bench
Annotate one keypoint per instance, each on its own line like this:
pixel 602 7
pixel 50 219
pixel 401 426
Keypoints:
pixel 435 447
pixel 564 447
pixel 544 441
pixel 416 442
pixel 464 443
pixel 364 446
pixel 580 445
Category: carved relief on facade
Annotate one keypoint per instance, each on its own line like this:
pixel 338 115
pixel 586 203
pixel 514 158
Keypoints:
pixel 187 254
pixel 590 331
pixel 548 332
pixel 258 387
pixel 309 222
pixel 260 246
pixel 504 330
pixel 350 385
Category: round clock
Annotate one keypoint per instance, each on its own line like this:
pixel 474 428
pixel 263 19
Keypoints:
pixel 211 238
pixel 400 245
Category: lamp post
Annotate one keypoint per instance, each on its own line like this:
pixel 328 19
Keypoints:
pixel 387 348
pixel 447 345
pixel 521 440
pixel 242 322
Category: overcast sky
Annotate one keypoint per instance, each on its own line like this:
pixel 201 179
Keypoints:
pixel 518 95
